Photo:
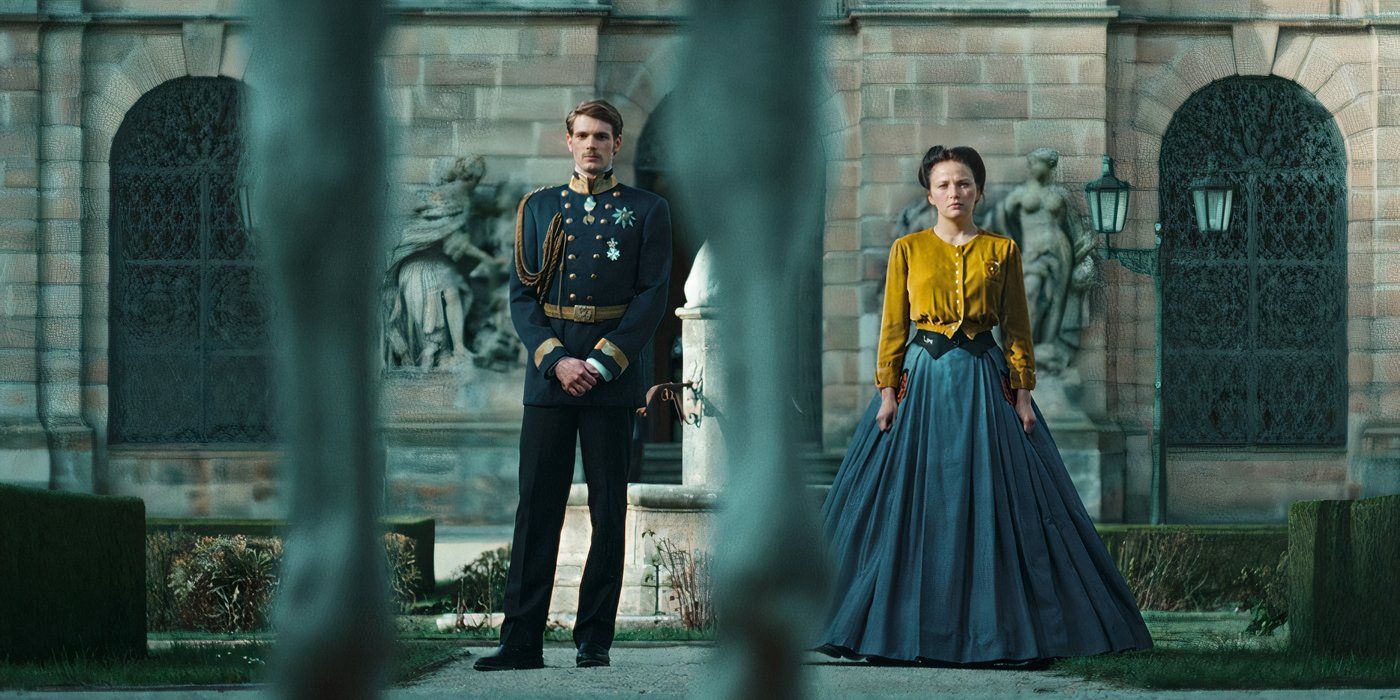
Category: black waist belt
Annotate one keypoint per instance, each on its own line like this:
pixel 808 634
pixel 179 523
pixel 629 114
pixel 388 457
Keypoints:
pixel 936 344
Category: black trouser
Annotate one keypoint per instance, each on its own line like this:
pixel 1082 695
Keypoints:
pixel 546 471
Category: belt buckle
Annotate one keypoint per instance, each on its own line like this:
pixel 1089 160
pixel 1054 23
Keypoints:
pixel 585 314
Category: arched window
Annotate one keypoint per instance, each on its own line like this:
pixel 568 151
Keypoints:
pixel 1254 325
pixel 189 353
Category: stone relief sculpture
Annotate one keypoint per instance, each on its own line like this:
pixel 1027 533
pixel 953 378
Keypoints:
pixel 1057 259
pixel 445 293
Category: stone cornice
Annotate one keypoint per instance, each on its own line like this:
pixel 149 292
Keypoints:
pixel 1385 19
pixel 396 9
pixel 874 12
pixel 906 10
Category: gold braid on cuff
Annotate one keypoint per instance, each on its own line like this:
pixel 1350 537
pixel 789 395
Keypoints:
pixel 607 347
pixel 545 348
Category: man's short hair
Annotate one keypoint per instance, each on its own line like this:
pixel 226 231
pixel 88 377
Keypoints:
pixel 598 109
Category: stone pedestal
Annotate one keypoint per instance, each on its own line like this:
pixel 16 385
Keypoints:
pixel 452 444
pixel 70 454
pixel 682 515
pixel 24 453
pixel 1096 459
pixel 1377 467
pixel 1093 451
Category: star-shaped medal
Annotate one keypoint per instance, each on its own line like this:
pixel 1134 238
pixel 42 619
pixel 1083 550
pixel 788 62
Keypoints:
pixel 624 217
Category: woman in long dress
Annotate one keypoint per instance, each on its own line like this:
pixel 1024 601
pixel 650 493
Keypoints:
pixel 957 534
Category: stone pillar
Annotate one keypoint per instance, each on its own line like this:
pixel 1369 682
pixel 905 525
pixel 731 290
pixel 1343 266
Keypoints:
pixel 24 454
pixel 60 316
pixel 702 447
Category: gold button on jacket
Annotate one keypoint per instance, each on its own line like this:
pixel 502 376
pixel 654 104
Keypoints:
pixel 955 289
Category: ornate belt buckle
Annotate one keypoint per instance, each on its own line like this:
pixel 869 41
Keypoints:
pixel 585 314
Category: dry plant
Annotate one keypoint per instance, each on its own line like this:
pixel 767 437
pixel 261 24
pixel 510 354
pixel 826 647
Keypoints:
pixel 688 576
pixel 1164 570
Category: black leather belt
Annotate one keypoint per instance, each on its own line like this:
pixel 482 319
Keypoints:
pixel 937 344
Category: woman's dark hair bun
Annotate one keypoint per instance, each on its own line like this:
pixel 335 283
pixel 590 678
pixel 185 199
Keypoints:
pixel 966 155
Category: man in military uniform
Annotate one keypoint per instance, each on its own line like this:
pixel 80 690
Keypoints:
pixel 592 260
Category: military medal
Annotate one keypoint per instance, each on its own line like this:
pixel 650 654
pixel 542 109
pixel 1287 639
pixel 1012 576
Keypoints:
pixel 588 206
pixel 613 252
pixel 624 217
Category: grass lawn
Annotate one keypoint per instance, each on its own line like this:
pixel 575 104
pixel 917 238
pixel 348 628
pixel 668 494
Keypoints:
pixel 191 663
pixel 1217 654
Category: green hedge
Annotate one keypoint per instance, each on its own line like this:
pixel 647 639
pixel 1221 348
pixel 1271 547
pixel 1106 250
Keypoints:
pixel 1345 561
pixel 421 530
pixel 72 575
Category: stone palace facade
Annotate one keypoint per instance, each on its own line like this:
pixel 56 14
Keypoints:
pixel 135 360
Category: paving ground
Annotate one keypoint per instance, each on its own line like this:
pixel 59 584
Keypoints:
pixel 681 670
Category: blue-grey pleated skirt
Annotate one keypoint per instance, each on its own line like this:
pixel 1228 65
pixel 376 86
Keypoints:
pixel 959 538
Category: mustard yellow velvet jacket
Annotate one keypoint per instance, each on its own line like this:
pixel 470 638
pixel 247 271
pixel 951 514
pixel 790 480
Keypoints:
pixel 948 289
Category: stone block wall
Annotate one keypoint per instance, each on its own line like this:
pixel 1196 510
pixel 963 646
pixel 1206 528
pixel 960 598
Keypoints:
pixel 1083 81
pixel 1004 87
pixel 493 88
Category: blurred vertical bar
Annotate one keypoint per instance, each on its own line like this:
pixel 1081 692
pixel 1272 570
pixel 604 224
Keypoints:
pixel 318 151
pixel 749 169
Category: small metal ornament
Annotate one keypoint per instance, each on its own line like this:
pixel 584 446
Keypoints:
pixel 613 252
pixel 624 217
pixel 588 206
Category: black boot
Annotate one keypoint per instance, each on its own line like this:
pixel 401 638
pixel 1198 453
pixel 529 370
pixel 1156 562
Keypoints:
pixel 591 656
pixel 506 658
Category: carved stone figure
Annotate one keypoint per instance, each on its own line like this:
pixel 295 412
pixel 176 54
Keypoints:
pixel 445 290
pixel 1057 254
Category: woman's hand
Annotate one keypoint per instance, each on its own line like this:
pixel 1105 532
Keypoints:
pixel 1024 411
pixel 885 417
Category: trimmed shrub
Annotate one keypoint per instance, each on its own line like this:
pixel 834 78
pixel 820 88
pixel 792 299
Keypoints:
pixel 1375 548
pixel 421 530
pixel 72 575
pixel 1344 564
pixel 226 583
pixel 403 570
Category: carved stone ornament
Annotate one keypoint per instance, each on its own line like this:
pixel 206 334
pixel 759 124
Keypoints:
pixel 446 288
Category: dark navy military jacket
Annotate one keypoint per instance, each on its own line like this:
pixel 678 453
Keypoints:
pixel 616 251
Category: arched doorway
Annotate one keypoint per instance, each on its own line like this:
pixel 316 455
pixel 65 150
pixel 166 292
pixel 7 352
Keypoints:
pixel 189 356
pixel 651 166
pixel 1254 320
pixel 664 360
